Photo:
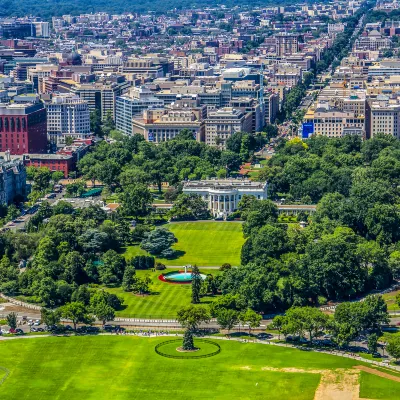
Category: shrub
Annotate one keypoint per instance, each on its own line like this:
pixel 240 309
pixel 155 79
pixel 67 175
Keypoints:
pixel 160 266
pixel 225 267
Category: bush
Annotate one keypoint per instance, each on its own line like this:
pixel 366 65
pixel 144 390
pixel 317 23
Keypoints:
pixel 225 267
pixel 160 266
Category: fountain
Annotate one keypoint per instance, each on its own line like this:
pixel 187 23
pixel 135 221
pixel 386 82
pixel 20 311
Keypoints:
pixel 180 277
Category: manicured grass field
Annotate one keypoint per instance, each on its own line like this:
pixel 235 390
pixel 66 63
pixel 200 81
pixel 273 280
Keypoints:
pixel 125 367
pixel 165 300
pixel 375 387
pixel 390 299
pixel 203 243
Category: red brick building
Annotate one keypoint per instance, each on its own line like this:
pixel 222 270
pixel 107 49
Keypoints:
pixel 23 128
pixel 54 162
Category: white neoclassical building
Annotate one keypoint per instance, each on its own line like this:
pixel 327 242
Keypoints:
pixel 223 195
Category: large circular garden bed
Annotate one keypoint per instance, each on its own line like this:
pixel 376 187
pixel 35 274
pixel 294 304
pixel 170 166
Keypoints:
pixel 204 348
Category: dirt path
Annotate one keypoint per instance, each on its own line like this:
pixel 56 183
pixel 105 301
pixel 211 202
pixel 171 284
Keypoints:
pixel 377 372
pixel 337 384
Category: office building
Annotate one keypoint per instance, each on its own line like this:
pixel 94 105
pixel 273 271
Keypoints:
pixel 23 128
pixel 160 125
pixel 67 115
pixel 286 44
pixel 132 105
pixel 223 123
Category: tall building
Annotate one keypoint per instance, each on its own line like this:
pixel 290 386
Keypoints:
pixel 100 95
pixel 11 29
pixel 67 115
pixel 223 123
pixel 385 118
pixel 23 128
pixel 133 104
pixel 286 44
pixel 42 29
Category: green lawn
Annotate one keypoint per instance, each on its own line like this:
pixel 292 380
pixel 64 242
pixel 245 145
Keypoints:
pixel 390 299
pixel 375 387
pixel 165 300
pixel 203 243
pixel 124 367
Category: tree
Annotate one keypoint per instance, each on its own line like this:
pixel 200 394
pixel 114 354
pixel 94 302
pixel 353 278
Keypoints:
pixel 108 124
pixel 41 179
pixel 50 317
pixel 372 343
pixel 158 242
pixel 196 284
pixel 277 323
pixel 104 312
pixel 95 122
pixel 74 271
pixel 227 319
pixel 259 214
pixel 250 318
pixel 129 278
pixel 136 200
pixel 189 207
pixel 76 312
pixel 12 320
pixel 111 271
pixel 393 346
pixel 92 240
pixel 188 343
pixel 141 285
pixel 56 176
pixel 191 317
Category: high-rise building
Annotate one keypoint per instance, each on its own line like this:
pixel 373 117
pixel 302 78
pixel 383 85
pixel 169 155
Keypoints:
pixel 133 104
pixel 23 128
pixel 67 115
pixel 42 29
pixel 286 44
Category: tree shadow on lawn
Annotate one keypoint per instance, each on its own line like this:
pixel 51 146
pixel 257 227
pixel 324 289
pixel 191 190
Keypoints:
pixel 176 255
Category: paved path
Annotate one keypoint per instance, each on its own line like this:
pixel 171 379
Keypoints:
pixel 378 373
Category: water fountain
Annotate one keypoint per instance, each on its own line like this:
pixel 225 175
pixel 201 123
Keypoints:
pixel 180 277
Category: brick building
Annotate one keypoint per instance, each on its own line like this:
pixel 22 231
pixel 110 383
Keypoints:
pixel 23 128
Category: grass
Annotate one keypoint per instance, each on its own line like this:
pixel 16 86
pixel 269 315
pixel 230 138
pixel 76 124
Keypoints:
pixel 164 302
pixel 390 299
pixel 202 243
pixel 124 367
pixel 375 387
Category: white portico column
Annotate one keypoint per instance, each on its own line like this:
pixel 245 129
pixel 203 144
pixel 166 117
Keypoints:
pixel 224 204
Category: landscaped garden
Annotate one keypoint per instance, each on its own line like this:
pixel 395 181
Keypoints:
pixel 164 299
pixel 202 243
pixel 116 367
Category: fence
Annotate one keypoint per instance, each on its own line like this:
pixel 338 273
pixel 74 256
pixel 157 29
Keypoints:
pixel 20 303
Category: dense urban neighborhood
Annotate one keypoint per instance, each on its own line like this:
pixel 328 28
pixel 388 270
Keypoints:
pixel 200 201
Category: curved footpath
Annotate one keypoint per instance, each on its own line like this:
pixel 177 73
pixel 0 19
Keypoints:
pixel 255 341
